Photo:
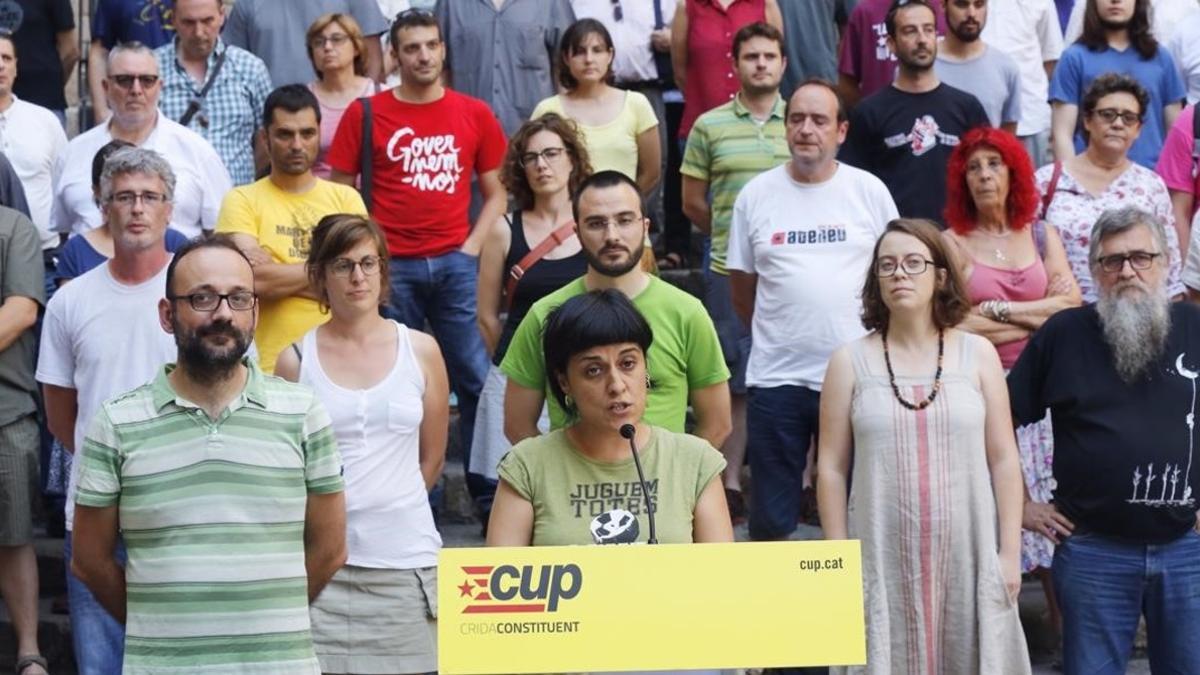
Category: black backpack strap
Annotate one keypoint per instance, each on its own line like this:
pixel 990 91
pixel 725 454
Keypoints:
pixel 364 162
pixel 197 101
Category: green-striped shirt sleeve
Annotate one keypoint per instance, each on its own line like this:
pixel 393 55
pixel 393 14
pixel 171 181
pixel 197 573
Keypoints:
pixel 100 471
pixel 696 156
pixel 322 460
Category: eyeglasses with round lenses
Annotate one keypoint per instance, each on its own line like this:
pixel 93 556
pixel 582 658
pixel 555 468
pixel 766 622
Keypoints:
pixel 208 301
pixel 1110 115
pixel 530 159
pixel 911 265
pixel 1138 260
pixel 344 267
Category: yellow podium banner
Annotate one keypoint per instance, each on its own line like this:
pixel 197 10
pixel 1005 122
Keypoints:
pixel 665 607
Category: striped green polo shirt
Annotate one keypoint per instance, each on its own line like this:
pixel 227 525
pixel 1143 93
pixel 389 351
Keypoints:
pixel 212 512
pixel 726 148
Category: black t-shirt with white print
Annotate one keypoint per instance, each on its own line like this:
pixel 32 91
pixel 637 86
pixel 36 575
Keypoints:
pixel 1125 455
pixel 906 139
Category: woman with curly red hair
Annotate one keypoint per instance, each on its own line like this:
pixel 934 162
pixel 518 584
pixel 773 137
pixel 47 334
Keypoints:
pixel 1017 276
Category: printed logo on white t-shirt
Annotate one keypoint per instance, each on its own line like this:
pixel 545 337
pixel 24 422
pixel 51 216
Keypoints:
pixel 430 163
pixel 821 234
pixel 925 136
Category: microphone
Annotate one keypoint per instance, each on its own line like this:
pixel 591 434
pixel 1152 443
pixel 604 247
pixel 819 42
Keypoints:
pixel 628 431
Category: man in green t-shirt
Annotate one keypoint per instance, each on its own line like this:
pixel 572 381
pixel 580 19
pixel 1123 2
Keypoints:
pixel 685 360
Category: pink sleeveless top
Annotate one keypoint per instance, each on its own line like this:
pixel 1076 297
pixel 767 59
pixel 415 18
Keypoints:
pixel 330 117
pixel 998 283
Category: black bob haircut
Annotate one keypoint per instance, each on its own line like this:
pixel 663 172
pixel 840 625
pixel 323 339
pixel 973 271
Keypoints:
pixel 594 319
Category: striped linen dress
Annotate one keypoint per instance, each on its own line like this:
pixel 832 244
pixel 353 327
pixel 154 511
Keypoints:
pixel 921 501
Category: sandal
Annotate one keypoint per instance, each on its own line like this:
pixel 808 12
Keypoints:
pixel 24 662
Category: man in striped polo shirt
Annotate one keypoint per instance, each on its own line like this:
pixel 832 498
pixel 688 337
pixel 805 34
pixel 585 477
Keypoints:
pixel 226 485
pixel 728 146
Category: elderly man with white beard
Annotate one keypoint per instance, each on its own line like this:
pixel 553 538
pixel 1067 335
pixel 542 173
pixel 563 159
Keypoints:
pixel 1120 381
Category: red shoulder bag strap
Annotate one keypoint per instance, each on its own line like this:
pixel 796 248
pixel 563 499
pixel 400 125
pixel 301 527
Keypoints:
pixel 1051 189
pixel 558 236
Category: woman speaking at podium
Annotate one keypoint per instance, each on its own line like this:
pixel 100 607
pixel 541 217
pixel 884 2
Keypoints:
pixel 582 484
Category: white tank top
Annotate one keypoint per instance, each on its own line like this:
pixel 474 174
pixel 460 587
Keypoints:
pixel 389 524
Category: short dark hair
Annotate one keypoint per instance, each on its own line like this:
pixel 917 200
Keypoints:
pixel 604 179
pixel 889 21
pixel 223 241
pixel 1094 35
pixel 572 42
pixel 594 319
pixel 102 156
pixel 412 18
pixel 950 301
pixel 335 234
pixel 1114 83
pixel 753 30
pixel 290 98
pixel 7 35
pixel 512 172
pixel 842 114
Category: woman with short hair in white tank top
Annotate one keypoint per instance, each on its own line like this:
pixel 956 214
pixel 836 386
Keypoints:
pixel 386 390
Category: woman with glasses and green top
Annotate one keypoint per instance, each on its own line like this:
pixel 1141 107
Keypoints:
pixel 917 459
pixel 385 388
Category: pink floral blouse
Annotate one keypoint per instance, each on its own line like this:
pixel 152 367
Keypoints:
pixel 1074 211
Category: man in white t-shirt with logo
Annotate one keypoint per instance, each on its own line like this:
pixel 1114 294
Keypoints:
pixel 799 245
pixel 101 337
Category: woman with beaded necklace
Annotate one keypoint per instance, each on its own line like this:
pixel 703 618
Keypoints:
pixel 920 410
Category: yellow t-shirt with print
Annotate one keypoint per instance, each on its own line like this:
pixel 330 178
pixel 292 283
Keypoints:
pixel 283 222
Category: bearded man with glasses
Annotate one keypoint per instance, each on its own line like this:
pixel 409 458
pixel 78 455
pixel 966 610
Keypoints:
pixel 1119 378
pixel 133 87
pixel 225 484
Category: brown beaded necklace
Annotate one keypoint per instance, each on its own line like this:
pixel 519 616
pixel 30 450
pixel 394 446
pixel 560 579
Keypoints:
pixel 937 377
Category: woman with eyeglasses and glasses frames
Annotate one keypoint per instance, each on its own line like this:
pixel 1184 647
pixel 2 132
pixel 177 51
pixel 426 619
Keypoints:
pixel 920 410
pixel 1076 191
pixel 386 390
pixel 529 253
pixel 338 54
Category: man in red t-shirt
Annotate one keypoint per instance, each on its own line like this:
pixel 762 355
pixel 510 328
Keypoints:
pixel 426 143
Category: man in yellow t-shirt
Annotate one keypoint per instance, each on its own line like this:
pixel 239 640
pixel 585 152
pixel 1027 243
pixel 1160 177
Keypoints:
pixel 273 218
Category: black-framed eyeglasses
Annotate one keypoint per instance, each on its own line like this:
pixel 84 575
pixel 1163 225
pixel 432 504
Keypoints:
pixel 529 159
pixel 208 301
pixel 344 267
pixel 1138 260
pixel 1110 115
pixel 126 81
pixel 618 12
pixel 912 265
